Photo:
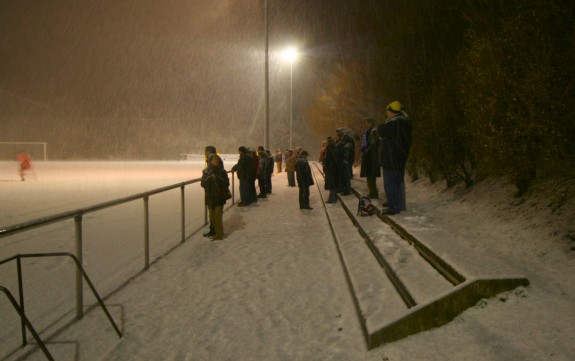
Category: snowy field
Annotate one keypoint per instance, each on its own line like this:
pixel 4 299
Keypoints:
pixel 274 288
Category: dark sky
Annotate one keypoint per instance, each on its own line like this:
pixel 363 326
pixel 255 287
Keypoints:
pixel 152 79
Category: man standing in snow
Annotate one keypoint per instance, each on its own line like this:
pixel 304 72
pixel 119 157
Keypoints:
pixel 395 136
pixel 245 171
pixel 278 159
pixel 210 150
pixel 369 157
pixel 304 179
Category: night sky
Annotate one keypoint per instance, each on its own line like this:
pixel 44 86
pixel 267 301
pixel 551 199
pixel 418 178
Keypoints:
pixel 148 79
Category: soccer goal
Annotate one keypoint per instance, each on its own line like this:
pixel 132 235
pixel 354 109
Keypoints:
pixel 37 150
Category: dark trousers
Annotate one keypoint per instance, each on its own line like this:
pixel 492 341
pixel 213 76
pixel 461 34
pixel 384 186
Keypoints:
pixel 332 196
pixel 303 197
pixel 269 184
pixel 346 179
pixel 253 191
pixel 372 186
pixel 262 184
pixel 394 186
pixel 291 179
pixel 246 191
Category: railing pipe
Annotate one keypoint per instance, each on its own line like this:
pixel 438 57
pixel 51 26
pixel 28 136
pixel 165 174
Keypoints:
pixel 79 253
pixel 146 233
pixel 21 296
pixel 27 323
pixel 183 212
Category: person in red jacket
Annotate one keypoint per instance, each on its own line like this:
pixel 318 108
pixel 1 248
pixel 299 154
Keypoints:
pixel 25 165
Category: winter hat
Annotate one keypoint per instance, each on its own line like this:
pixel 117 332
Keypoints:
pixel 212 156
pixel 394 107
pixel 242 149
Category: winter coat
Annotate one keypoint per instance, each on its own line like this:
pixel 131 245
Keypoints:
pixel 214 181
pixel 244 167
pixel 270 165
pixel 346 146
pixel 395 137
pixel 290 163
pixel 303 173
pixel 263 166
pixel 331 166
pixel 370 155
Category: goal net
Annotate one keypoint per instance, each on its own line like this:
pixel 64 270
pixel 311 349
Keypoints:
pixel 36 150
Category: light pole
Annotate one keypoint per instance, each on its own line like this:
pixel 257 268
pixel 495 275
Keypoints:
pixel 267 83
pixel 291 55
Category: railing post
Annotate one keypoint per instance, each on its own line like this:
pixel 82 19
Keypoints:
pixel 146 233
pixel 183 213
pixel 79 279
pixel 233 189
pixel 21 295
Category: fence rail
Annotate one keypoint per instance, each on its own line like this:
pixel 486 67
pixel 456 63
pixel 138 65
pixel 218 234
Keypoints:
pixel 77 216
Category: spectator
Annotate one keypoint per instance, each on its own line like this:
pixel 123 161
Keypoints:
pixel 291 159
pixel 209 150
pixel 304 179
pixel 245 171
pixel 369 158
pixel 322 151
pixel 270 171
pixel 278 159
pixel 215 182
pixel 262 173
pixel 255 168
pixel 331 170
pixel 395 135
pixel 345 145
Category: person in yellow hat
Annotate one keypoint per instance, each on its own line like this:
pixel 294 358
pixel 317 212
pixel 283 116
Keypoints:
pixel 395 135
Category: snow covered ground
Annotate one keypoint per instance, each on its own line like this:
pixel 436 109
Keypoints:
pixel 273 289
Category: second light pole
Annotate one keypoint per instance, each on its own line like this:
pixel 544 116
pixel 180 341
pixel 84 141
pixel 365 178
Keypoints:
pixel 291 55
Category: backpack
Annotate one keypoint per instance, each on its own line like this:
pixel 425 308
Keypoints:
pixel 365 207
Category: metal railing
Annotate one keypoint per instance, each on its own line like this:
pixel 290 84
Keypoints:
pixel 77 216
pixel 25 323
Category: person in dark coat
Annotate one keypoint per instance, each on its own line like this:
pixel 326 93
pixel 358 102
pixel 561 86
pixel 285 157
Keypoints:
pixel 270 171
pixel 304 179
pixel 291 159
pixel 345 147
pixel 245 172
pixel 370 157
pixel 208 151
pixel 331 169
pixel 395 137
pixel 262 174
pixel 215 182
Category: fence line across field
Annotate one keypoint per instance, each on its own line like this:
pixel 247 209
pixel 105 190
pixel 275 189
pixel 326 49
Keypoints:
pixel 78 214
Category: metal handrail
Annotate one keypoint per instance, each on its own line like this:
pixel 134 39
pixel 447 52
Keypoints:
pixel 26 323
pixel 20 309
pixel 78 215
pixel 13 229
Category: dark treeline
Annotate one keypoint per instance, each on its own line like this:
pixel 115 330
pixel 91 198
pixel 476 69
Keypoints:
pixel 489 85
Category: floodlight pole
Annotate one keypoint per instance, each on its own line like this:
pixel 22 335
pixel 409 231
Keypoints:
pixel 290 104
pixel 267 84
